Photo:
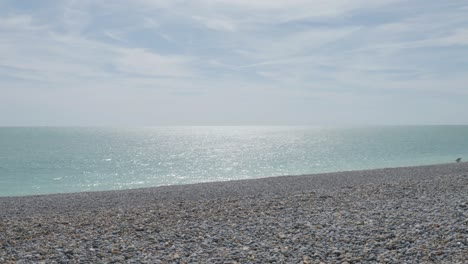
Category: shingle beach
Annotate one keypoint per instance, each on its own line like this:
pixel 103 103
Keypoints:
pixel 396 215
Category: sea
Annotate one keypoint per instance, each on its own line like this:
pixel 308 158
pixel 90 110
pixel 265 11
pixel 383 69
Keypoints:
pixel 47 160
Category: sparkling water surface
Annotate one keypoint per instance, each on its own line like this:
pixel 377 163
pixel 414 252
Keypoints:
pixel 58 160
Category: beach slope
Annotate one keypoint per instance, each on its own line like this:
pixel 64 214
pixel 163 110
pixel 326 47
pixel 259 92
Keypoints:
pixel 395 215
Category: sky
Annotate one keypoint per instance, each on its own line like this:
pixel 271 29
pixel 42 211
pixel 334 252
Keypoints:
pixel 233 62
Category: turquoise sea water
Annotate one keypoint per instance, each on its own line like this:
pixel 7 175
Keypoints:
pixel 57 160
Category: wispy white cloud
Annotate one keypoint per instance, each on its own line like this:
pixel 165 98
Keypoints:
pixel 456 38
pixel 290 10
pixel 15 22
pixel 216 23
pixel 296 46
pixel 120 34
pixel 214 56
pixel 57 57
pixel 75 20
pixel 150 23
pixel 138 61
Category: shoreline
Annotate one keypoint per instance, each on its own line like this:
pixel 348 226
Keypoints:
pixel 207 190
pixel 393 215
pixel 236 180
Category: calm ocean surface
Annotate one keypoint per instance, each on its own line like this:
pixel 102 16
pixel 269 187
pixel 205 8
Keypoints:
pixel 57 160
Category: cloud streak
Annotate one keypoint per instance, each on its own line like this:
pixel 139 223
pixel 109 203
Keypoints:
pixel 211 56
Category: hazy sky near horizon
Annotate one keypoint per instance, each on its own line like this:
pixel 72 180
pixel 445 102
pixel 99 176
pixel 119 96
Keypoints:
pixel 233 62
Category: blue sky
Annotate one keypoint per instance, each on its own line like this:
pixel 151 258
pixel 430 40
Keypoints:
pixel 233 62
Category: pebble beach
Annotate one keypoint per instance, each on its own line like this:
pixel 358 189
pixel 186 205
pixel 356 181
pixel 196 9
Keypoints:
pixel 395 215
